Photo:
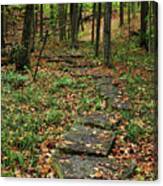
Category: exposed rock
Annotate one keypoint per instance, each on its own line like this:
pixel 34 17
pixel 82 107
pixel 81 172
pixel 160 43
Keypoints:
pixel 100 120
pixel 122 105
pixel 105 88
pixel 83 139
pixel 86 167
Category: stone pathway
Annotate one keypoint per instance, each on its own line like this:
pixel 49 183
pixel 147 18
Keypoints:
pixel 87 140
pixel 105 88
pixel 101 120
pixel 86 167
pixel 84 149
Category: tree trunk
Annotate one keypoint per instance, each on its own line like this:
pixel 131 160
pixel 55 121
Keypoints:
pixel 129 20
pixel 41 21
pixel 107 34
pixel 74 24
pixel 150 28
pixel 52 21
pixel 80 22
pixel 98 24
pixel 6 21
pixel 62 23
pixel 121 14
pixel 33 31
pixel 65 20
pixel 144 22
pixel 133 9
pixel 36 17
pixel 3 26
pixel 93 23
pixel 155 20
pixel 24 53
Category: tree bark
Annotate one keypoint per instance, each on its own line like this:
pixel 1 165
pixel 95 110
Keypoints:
pixel 129 20
pixel 41 21
pixel 24 53
pixel 133 9
pixel 80 22
pixel 107 34
pixel 65 20
pixel 150 28
pixel 36 18
pixel 98 24
pixel 144 22
pixel 121 14
pixel 74 24
pixel 52 21
pixel 3 26
pixel 93 23
pixel 61 17
pixel 155 20
pixel 33 31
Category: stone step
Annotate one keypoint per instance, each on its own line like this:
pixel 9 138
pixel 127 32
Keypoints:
pixel 101 120
pixel 87 140
pixel 119 104
pixel 105 88
pixel 91 167
pixel 103 81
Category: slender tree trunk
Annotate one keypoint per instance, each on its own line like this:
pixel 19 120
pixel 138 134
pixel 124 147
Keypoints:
pixel 98 25
pixel 33 31
pixel 24 56
pixel 2 26
pixel 150 28
pixel 80 23
pixel 69 20
pixel 107 34
pixel 129 19
pixel 61 21
pixel 155 20
pixel 144 22
pixel 133 9
pixel 36 17
pixel 74 24
pixel 121 14
pixel 93 22
pixel 41 21
pixel 52 21
pixel 65 20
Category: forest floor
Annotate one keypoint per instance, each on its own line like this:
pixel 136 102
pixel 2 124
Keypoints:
pixel 69 88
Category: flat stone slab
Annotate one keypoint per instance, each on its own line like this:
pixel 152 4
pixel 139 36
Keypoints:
pixel 105 87
pixel 100 120
pixel 83 139
pixel 90 167
pixel 104 80
pixel 122 105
